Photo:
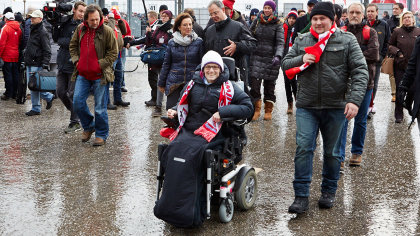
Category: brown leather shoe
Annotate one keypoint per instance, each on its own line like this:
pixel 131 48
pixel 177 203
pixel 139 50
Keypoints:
pixel 355 160
pixel 98 142
pixel 290 108
pixel 86 135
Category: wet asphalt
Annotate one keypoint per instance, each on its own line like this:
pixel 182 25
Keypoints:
pixel 51 183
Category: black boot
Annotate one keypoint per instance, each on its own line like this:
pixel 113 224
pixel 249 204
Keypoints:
pixel 299 205
pixel 150 103
pixel 122 103
pixel 326 200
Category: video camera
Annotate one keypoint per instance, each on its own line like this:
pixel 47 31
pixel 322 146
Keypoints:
pixel 57 11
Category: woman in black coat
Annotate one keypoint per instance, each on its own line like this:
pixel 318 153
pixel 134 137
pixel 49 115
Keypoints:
pixel 411 83
pixel 265 60
pixel 182 56
pixel 182 161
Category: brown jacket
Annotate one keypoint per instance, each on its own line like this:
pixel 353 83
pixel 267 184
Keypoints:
pixel 369 48
pixel 402 41
pixel 106 50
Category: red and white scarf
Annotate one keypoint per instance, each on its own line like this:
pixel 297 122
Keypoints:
pixel 286 30
pixel 315 50
pixel 210 128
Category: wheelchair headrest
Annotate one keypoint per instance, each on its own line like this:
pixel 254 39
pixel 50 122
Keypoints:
pixel 230 63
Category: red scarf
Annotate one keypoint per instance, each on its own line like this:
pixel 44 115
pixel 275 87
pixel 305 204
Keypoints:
pixel 210 128
pixel 315 50
pixel 286 29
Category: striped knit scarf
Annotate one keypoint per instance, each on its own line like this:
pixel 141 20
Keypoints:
pixel 210 128
pixel 315 50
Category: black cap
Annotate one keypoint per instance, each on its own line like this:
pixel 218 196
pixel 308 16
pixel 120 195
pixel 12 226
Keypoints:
pixel 324 8
pixel 163 8
pixel 312 2
pixel 18 17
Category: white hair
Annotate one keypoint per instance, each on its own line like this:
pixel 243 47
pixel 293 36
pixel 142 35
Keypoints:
pixel 358 4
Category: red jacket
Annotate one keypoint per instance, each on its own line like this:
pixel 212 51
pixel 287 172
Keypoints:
pixel 88 65
pixel 10 36
pixel 127 27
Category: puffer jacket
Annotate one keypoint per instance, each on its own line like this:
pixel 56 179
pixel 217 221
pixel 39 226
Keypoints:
pixel 179 64
pixel 402 41
pixel 324 85
pixel 10 37
pixel 369 48
pixel 216 38
pixel 270 43
pixel 203 96
pixel 38 47
pixel 105 47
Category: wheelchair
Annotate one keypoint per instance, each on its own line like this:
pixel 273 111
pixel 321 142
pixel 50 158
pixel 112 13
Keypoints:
pixel 226 181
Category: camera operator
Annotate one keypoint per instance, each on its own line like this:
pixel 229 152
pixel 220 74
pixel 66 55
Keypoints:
pixel 62 34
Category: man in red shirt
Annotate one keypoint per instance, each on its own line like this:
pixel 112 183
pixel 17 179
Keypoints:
pixel 10 36
pixel 93 50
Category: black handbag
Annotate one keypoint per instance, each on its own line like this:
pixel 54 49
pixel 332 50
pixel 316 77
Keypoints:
pixel 153 55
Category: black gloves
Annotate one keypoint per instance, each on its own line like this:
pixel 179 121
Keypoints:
pixel 402 92
pixel 276 61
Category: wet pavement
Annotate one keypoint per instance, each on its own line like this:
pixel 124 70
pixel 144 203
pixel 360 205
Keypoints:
pixel 52 183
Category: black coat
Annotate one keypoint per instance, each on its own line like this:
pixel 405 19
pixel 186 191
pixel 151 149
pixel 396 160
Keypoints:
pixel 179 65
pixel 62 36
pixel 203 96
pixel 384 33
pixel 270 43
pixel 393 23
pixel 301 23
pixel 38 48
pixel 216 38
pixel 412 77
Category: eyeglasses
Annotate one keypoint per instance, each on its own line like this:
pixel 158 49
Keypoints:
pixel 212 67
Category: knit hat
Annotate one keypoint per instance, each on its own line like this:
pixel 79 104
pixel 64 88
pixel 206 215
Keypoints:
pixel 212 57
pixel 270 4
pixel 338 10
pixel 116 13
pixel 6 10
pixel 105 11
pixel 18 17
pixel 163 7
pixel 169 13
pixel 292 13
pixel 324 8
pixel 229 3
pixel 254 12
pixel 9 16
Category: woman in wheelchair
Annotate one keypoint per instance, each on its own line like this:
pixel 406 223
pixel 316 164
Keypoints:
pixel 203 104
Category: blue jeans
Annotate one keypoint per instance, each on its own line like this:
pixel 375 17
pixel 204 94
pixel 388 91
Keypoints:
pixel 118 74
pixel 99 122
pixel 123 59
pixel 359 129
pixel 308 123
pixel 36 96
pixel 11 78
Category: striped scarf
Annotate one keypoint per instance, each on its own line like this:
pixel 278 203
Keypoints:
pixel 210 128
pixel 286 30
pixel 315 50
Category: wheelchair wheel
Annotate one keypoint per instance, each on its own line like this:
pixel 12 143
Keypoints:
pixel 226 210
pixel 247 192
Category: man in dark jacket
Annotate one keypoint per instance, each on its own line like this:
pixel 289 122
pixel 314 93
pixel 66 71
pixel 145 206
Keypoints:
pixel 412 77
pixel 326 97
pixel 62 34
pixel 384 34
pixel 394 22
pixel 93 50
pixel 368 41
pixel 230 13
pixel 303 23
pixel 229 38
pixel 37 57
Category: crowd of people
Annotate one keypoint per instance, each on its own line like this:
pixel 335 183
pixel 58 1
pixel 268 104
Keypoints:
pixel 330 59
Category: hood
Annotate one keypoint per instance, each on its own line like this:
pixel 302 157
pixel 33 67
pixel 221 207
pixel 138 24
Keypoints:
pixel 13 24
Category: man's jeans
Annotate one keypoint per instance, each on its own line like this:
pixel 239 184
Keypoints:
pixel 359 129
pixel 11 78
pixel 99 122
pixel 308 123
pixel 118 72
pixel 123 59
pixel 65 91
pixel 36 96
